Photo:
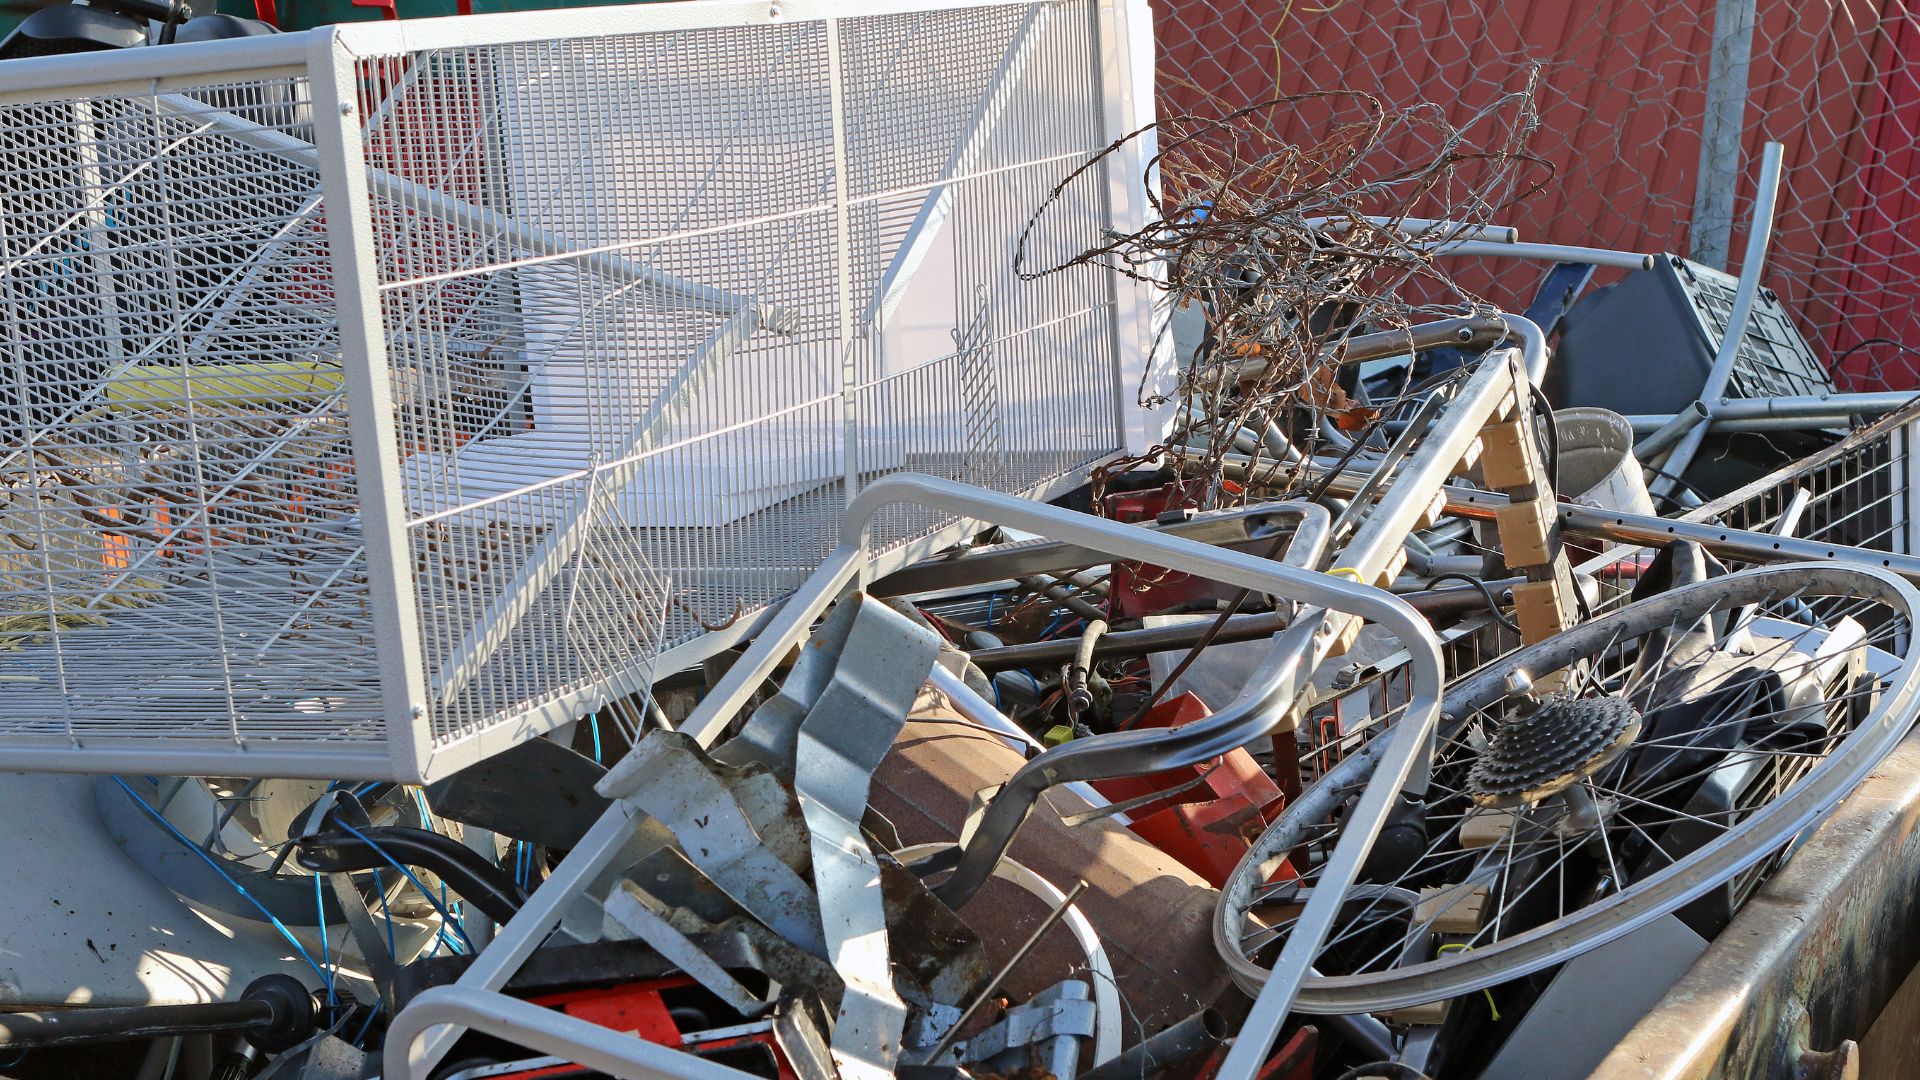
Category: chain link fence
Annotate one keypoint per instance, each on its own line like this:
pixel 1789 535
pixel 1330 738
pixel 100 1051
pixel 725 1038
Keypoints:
pixel 1651 118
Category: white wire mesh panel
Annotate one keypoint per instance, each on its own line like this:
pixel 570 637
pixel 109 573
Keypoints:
pixel 178 557
pixel 645 298
pixel 721 275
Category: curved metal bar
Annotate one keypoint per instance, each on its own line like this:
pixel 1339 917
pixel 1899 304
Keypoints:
pixel 1713 392
pixel 1409 741
pixel 1109 539
pixel 616 1053
pixel 1533 345
pixel 1246 524
pixel 1259 708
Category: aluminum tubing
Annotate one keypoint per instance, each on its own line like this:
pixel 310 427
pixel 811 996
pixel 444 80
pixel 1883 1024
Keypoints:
pixel 1250 716
pixel 1669 431
pixel 1759 234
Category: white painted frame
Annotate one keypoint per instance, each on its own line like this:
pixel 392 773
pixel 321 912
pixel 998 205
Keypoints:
pixel 326 57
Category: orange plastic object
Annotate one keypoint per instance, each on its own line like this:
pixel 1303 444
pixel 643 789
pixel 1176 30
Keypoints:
pixel 1211 812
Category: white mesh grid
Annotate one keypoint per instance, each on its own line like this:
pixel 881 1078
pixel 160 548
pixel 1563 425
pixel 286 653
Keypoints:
pixel 655 296
pixel 178 484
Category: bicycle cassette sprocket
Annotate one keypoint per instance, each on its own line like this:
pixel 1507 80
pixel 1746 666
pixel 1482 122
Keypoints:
pixel 1550 747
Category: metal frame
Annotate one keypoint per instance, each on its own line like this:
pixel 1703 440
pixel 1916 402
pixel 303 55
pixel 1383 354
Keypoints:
pixel 1492 386
pixel 844 568
pixel 411 748
pixel 1498 385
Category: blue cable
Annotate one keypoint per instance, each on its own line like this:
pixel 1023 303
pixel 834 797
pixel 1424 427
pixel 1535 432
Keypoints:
pixel 593 720
pixel 459 916
pixel 426 813
pixel 367 1023
pixel 218 869
pixel 458 911
pixel 326 951
pixel 445 915
pixel 381 888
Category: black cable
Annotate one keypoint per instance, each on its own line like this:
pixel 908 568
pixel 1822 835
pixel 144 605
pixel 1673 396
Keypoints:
pixel 1493 605
pixel 1552 428
pixel 1697 493
pixel 1857 346
pixel 463 869
pixel 1390 1070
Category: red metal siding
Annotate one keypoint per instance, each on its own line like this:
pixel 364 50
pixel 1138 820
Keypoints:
pixel 1620 104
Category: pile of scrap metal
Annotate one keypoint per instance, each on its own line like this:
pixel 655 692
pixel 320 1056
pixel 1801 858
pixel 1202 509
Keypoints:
pixel 1153 792
pixel 1377 725
pixel 971 825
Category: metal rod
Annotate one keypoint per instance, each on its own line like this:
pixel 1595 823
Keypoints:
pixel 1197 1034
pixel 986 992
pixel 275 1012
pixel 1476 329
pixel 1722 123
pixel 1150 639
pixel 1454 230
pixel 1231 528
pixel 1177 636
pixel 1820 407
pixel 1647 530
pixel 1830 405
pixel 1060 594
pixel 1670 432
pixel 1713 392
pixel 68 1027
pixel 1626 260
pixel 1767 423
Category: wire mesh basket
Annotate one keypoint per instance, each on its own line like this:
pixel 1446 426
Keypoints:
pixel 380 396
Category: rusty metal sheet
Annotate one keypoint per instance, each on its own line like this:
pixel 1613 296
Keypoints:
pixel 1153 914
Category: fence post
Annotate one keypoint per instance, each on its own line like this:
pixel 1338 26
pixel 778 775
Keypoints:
pixel 1721 128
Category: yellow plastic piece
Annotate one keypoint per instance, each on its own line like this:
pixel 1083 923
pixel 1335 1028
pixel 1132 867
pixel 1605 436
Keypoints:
pixel 262 383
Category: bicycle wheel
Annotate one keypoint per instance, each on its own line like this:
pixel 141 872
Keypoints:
pixel 1685 739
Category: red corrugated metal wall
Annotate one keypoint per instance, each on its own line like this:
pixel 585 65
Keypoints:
pixel 1620 101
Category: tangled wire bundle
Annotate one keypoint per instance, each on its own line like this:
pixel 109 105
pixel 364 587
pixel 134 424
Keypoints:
pixel 1291 225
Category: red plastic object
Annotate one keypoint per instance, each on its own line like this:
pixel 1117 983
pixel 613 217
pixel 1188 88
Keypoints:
pixel 635 1007
pixel 1295 1061
pixel 640 1008
pixel 1222 805
pixel 389 9
pixel 1141 589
